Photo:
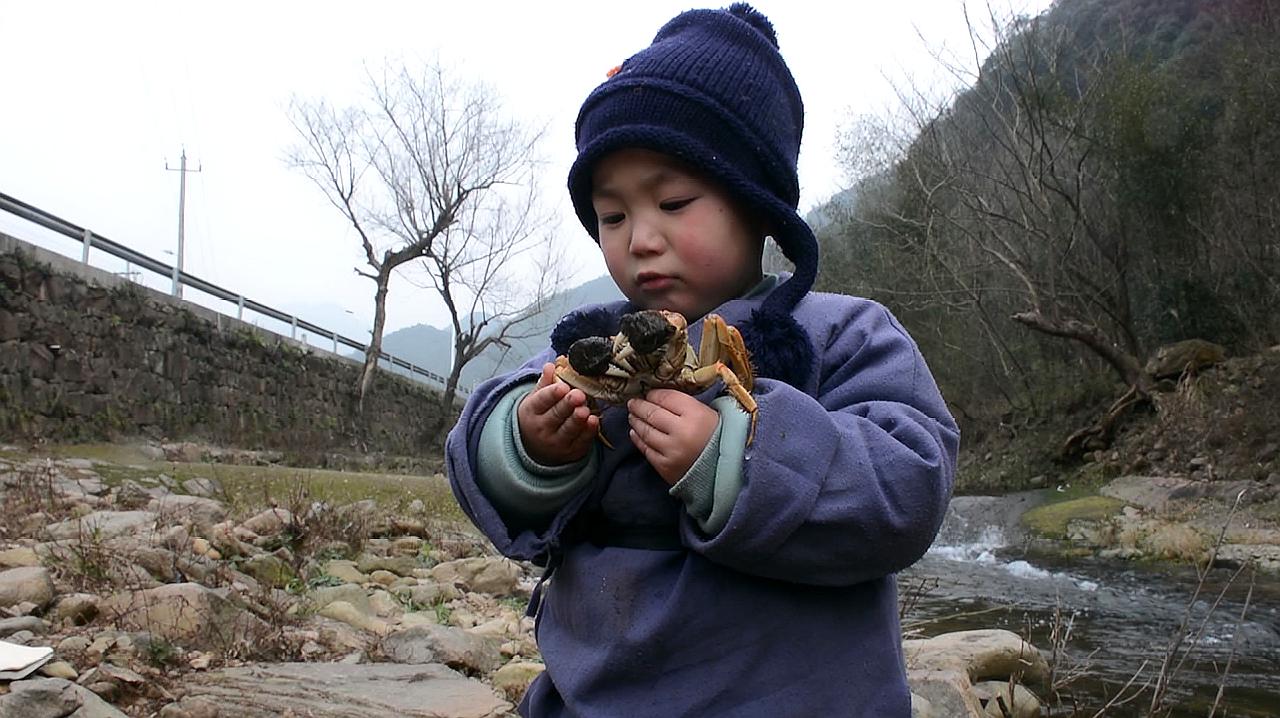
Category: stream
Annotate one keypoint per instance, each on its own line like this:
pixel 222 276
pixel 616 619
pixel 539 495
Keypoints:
pixel 1122 615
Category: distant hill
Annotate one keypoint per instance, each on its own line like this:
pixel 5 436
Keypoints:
pixel 428 346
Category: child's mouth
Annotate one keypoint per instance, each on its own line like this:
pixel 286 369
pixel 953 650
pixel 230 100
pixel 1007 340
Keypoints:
pixel 654 282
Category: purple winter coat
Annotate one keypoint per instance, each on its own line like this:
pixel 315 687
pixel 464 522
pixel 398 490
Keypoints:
pixel 791 609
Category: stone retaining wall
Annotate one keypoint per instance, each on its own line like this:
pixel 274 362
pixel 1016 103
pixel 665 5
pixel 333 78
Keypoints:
pixel 86 355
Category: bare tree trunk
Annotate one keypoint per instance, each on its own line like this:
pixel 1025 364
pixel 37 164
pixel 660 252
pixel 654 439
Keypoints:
pixel 374 350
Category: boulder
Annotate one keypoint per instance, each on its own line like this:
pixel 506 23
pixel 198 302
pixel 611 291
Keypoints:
pixel 20 556
pixel 985 654
pixel 1151 493
pixel 187 614
pixel 24 584
pixel 348 592
pixel 101 525
pixel 333 690
pixel 345 570
pixel 53 698
pixel 201 512
pixel 1000 700
pixel 1173 360
pixel 943 693
pixel 491 575
pixel 354 617
pixel 513 679
pixel 451 646
pixel 269 522
pixel 31 624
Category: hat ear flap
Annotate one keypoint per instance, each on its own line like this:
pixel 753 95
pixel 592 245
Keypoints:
pixel 779 347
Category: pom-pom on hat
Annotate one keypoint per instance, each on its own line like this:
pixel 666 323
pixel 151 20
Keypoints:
pixel 713 91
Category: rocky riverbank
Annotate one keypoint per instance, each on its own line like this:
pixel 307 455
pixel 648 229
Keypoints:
pixel 163 594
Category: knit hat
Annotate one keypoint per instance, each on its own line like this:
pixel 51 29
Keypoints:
pixel 713 91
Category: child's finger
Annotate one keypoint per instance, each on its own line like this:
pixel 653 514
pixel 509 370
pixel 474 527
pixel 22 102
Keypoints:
pixel 548 375
pixel 541 401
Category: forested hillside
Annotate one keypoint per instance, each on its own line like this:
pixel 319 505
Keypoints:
pixel 1107 183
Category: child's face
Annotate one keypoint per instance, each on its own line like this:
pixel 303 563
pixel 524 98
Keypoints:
pixel 671 238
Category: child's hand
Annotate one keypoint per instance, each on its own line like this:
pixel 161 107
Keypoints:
pixel 671 429
pixel 555 424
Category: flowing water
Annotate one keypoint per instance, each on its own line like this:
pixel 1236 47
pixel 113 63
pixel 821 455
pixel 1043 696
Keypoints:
pixel 1123 616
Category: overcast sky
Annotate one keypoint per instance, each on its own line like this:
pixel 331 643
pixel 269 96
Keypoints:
pixel 100 96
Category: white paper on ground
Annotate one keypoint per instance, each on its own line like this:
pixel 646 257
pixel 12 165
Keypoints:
pixel 18 661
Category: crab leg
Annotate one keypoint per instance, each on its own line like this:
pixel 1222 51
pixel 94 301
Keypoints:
pixel 721 342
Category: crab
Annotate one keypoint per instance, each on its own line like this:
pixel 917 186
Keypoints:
pixel 651 351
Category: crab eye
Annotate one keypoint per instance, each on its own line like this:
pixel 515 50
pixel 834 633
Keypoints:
pixel 590 356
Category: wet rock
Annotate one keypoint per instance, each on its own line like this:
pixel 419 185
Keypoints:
pixel 26 584
pixel 332 690
pixel 451 646
pixel 1265 556
pixel 491 575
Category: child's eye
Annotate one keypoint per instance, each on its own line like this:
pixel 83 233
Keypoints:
pixel 612 218
pixel 676 204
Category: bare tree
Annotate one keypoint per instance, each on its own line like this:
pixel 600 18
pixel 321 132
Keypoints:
pixel 430 168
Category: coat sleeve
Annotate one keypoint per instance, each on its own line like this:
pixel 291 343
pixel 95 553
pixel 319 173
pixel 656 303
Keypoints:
pixel 462 453
pixel 849 482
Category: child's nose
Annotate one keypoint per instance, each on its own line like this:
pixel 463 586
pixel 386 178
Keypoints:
pixel 646 237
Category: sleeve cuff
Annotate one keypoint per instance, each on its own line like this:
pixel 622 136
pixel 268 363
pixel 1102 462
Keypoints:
pixel 711 486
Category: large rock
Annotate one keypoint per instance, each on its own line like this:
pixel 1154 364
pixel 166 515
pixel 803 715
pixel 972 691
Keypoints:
pixel 491 575
pixel 451 646
pixel 1172 360
pixel 101 525
pixel 202 512
pixel 513 679
pixel 20 556
pixel 187 614
pixel 53 698
pixel 331 690
pixel 268 522
pixel 998 701
pixel 943 694
pixel 26 584
pixel 986 654
pixel 1152 493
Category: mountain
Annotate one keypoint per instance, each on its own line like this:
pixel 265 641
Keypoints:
pixel 428 346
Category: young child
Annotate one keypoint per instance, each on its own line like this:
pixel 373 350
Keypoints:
pixel 696 573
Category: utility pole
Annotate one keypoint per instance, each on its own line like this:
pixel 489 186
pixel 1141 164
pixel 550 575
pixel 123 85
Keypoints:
pixel 182 208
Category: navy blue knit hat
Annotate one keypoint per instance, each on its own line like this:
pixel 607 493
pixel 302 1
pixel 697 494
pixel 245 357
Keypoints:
pixel 714 92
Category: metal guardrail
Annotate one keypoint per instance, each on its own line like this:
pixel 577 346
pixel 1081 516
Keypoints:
pixel 91 240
